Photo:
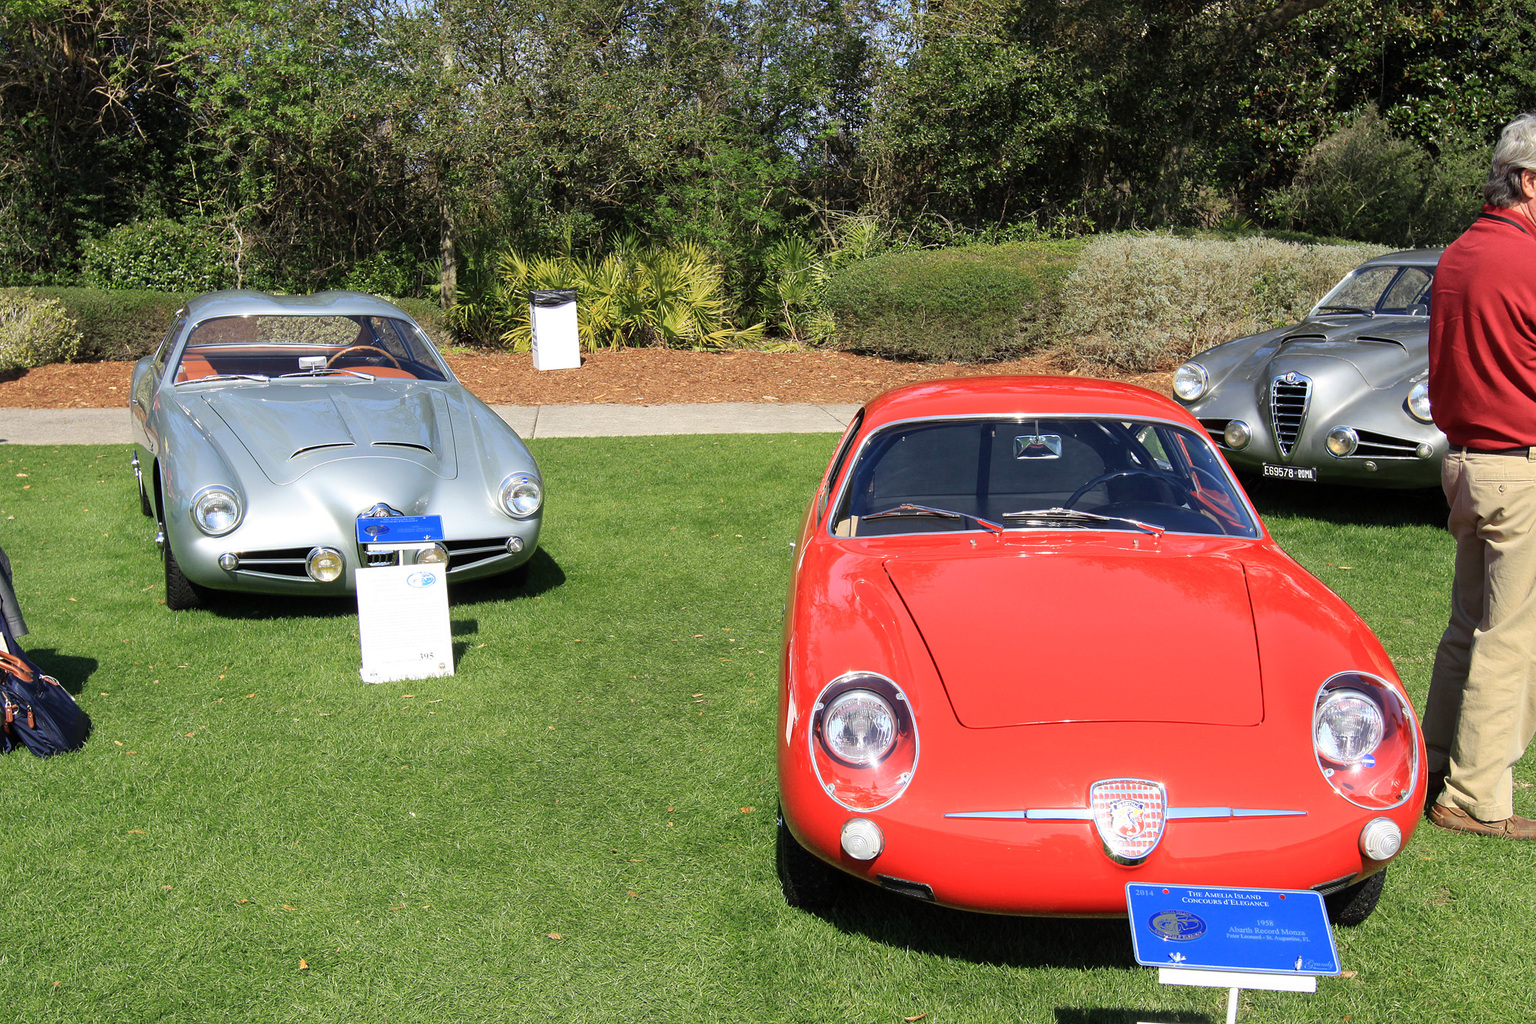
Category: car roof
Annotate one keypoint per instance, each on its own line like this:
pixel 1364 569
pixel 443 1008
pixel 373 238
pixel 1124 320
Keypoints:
pixel 1407 258
pixel 247 302
pixel 1011 396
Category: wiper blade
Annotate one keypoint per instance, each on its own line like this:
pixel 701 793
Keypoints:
pixel 330 370
pixel 260 378
pixel 1347 309
pixel 909 509
pixel 1076 518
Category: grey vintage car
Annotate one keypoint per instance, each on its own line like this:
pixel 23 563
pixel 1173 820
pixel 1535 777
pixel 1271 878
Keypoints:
pixel 1342 397
pixel 266 428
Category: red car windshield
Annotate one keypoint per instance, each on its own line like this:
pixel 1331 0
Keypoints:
pixel 989 474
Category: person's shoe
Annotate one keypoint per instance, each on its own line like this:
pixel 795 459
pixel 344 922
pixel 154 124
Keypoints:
pixel 1458 820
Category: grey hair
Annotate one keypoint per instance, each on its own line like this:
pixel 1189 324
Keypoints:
pixel 1515 152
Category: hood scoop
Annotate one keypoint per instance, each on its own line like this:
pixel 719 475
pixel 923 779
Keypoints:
pixel 1102 636
pixel 292 429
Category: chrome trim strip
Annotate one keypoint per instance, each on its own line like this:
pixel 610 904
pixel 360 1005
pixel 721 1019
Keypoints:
pixel 1086 814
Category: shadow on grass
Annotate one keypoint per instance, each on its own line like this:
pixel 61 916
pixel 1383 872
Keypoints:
pixel 1347 506
pixel 981 938
pixel 70 670
pixel 539 575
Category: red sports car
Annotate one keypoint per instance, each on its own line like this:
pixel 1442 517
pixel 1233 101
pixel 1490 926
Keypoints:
pixel 1038 645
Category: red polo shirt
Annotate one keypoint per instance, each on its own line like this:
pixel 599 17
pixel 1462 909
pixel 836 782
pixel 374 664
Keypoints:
pixel 1482 334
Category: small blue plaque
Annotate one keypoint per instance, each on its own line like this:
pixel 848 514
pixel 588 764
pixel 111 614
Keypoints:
pixel 1220 928
pixel 399 529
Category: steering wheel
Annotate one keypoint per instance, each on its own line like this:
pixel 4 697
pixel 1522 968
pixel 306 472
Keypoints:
pixel 1116 474
pixel 362 348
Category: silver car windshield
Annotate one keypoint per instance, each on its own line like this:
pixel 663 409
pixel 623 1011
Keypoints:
pixel 1380 290
pixel 345 347
pixel 1058 474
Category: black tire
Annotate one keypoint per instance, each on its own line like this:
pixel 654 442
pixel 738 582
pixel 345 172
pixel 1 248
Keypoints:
pixel 181 594
pixel 808 882
pixel 1353 904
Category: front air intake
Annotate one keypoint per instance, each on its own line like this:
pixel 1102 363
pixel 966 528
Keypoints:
pixel 1289 397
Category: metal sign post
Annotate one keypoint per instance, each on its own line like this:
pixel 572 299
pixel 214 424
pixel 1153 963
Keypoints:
pixel 1232 938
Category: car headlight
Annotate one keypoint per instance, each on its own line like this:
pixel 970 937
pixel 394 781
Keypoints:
pixel 1365 740
pixel 216 510
pixel 1418 402
pixel 521 495
pixel 863 741
pixel 1189 381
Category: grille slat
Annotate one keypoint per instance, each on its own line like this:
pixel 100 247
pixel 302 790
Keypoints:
pixel 1289 397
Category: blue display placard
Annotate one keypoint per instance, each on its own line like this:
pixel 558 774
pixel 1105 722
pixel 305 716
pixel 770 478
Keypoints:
pixel 1216 928
pixel 399 529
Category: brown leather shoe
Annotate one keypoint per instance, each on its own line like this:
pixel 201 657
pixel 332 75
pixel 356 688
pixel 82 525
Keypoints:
pixel 1458 820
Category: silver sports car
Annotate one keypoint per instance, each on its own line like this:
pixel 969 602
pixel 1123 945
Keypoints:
pixel 1342 397
pixel 281 443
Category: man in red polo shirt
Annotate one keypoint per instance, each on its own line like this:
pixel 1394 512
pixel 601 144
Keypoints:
pixel 1481 711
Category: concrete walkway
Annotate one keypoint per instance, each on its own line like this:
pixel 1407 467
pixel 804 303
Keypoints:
pixel 111 426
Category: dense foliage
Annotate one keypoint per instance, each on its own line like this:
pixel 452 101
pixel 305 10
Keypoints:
pixel 400 145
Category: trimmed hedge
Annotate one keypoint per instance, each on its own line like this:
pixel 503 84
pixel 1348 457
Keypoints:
pixel 1141 303
pixel 34 331
pixel 978 303
pixel 120 324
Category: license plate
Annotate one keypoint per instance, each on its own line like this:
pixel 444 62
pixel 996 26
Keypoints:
pixel 1274 472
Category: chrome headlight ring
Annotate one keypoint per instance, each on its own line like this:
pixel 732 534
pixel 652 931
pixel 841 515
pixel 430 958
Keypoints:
pixel 521 495
pixel 1418 402
pixel 216 510
pixel 1190 382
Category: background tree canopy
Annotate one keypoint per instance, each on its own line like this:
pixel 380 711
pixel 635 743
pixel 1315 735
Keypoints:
pixel 398 144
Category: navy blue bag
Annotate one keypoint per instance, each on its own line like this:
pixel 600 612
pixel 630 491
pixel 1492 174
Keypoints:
pixel 39 713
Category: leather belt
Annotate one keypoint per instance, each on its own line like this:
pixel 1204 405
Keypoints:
pixel 1466 449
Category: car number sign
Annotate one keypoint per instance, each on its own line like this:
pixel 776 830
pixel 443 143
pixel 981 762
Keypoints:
pixel 1270 471
pixel 1212 928
pixel 402 620
pixel 392 530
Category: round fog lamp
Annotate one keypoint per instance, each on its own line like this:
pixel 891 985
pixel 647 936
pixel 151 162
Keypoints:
pixel 1381 839
pixel 1237 435
pixel 434 555
pixel 229 561
pixel 324 565
pixel 514 545
pixel 862 839
pixel 1342 441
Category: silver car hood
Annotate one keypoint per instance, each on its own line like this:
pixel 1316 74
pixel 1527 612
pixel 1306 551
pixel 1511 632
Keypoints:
pixel 291 429
pixel 1382 349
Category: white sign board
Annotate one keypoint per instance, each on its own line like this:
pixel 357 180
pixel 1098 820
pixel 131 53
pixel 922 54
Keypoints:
pixel 556 339
pixel 402 622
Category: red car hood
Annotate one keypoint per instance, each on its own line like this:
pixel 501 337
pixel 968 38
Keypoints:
pixel 1102 636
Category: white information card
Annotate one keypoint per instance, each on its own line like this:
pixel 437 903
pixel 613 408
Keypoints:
pixel 402 622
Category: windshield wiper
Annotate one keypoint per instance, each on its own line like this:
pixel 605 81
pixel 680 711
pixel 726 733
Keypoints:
pixel 909 509
pixel 1052 518
pixel 260 378
pixel 328 370
pixel 1347 309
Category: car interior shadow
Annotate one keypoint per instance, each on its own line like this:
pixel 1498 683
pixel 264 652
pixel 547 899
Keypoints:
pixel 992 939
pixel 1350 505
pixel 70 670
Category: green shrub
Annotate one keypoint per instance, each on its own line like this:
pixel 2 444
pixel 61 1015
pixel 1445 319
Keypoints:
pixel 195 255
pixel 394 273
pixel 1139 303
pixel 34 332
pixel 977 303
pixel 117 325
pixel 670 297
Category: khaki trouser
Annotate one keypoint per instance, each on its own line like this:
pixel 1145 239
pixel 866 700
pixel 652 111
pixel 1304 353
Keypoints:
pixel 1481 710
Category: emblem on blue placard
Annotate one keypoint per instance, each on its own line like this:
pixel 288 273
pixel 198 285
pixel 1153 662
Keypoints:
pixel 1176 925
pixel 421 579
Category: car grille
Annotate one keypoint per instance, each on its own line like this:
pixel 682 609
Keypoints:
pixel 465 554
pixel 282 563
pixel 1288 398
pixel 1384 446
pixel 1217 429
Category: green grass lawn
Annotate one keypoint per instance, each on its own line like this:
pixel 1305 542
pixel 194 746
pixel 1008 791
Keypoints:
pixel 578 826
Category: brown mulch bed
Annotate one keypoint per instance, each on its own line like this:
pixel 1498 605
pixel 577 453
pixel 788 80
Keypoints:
pixel 644 376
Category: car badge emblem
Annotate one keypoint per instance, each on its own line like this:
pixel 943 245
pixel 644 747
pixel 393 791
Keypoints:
pixel 1291 377
pixel 379 511
pixel 1129 814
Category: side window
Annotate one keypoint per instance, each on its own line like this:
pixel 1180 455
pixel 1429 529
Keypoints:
pixel 164 350
pixel 1409 293
pixel 837 462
